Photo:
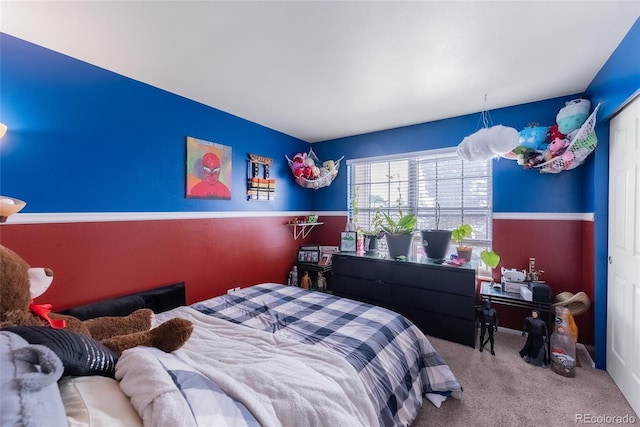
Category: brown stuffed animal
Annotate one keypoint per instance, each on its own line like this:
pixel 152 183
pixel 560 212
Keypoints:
pixel 20 284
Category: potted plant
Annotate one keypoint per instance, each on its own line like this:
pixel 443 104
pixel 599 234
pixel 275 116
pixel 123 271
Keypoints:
pixel 399 230
pixel 399 233
pixel 373 233
pixel 435 241
pixel 460 233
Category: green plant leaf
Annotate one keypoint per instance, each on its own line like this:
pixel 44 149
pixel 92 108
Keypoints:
pixel 408 221
pixel 458 234
pixel 404 224
pixel 490 258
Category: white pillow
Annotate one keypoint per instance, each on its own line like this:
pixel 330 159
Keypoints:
pixel 96 401
pixel 436 398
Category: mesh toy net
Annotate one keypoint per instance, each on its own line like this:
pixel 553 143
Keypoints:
pixel 579 148
pixel 325 176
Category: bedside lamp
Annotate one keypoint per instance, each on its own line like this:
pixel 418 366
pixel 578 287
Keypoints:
pixel 3 130
pixel 9 206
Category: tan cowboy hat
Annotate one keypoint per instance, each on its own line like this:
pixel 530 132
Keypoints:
pixel 577 304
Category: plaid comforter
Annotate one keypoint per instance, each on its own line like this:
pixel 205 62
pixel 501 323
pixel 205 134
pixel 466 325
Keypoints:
pixel 395 361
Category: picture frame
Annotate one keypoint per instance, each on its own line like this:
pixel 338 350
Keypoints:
pixel 208 174
pixel 348 241
pixel 328 249
pixel 325 259
pixel 309 256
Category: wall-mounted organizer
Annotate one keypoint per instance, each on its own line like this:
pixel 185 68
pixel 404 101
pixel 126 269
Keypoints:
pixel 261 187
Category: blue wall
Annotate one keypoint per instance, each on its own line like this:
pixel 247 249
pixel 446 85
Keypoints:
pixel 515 189
pixel 584 189
pixel 618 80
pixel 83 139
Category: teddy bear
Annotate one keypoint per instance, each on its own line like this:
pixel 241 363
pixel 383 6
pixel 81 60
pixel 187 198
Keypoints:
pixel 20 284
pixel 330 167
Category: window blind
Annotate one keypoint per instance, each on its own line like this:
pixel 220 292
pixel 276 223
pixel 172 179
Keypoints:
pixel 427 183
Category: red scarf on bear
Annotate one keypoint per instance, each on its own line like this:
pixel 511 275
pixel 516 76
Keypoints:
pixel 43 310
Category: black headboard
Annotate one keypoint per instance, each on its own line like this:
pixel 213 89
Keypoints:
pixel 159 300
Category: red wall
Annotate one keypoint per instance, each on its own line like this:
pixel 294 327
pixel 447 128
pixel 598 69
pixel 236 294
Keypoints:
pixel 562 248
pixel 93 261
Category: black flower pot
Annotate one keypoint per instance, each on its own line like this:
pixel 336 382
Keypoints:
pixel 370 244
pixel 399 244
pixel 436 243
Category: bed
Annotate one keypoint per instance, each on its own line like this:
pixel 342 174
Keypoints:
pixel 265 355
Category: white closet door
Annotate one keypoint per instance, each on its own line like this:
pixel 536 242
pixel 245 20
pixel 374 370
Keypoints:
pixel 623 286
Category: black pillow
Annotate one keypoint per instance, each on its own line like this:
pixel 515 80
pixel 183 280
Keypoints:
pixel 81 355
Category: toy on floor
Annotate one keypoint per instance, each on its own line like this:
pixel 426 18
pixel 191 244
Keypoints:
pixel 535 348
pixel 488 319
pixel 563 346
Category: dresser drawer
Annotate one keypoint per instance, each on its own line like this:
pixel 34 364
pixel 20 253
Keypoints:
pixel 440 300
pixel 462 307
pixel 438 279
pixel 374 292
pixel 365 268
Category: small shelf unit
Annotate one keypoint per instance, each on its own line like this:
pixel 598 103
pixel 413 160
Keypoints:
pixel 302 229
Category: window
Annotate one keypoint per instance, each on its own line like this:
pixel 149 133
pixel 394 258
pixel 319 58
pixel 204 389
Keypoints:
pixel 423 183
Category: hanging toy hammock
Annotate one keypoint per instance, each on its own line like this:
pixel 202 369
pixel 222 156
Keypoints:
pixel 578 149
pixel 489 142
pixel 309 172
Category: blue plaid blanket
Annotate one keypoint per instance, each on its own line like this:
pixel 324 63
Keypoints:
pixel 395 361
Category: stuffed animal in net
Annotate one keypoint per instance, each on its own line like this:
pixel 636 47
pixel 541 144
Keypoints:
pixel 297 164
pixel 20 284
pixel 533 143
pixel 573 115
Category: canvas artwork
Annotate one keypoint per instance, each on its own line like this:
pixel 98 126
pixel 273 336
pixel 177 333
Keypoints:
pixel 208 169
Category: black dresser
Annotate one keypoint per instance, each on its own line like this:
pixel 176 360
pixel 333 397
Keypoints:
pixel 439 299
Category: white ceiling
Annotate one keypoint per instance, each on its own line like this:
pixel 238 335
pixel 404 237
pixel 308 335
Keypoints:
pixel 319 70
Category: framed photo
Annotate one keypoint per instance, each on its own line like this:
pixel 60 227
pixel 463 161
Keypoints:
pixel 328 249
pixel 325 259
pixel 312 257
pixel 348 241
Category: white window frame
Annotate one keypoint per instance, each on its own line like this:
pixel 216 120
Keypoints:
pixel 419 194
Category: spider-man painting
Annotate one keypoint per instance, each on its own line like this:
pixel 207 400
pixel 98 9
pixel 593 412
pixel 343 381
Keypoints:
pixel 207 165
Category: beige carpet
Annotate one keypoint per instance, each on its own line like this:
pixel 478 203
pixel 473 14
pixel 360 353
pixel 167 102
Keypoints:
pixel 503 390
